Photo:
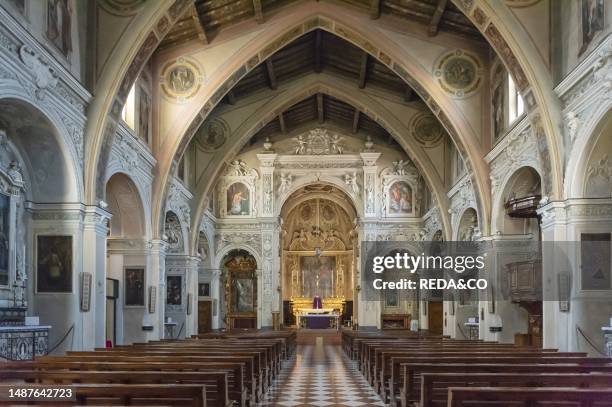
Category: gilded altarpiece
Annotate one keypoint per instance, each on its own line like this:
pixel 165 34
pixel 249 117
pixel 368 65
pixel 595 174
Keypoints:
pixel 241 292
pixel 318 258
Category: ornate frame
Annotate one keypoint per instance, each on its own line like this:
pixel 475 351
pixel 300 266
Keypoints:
pixel 245 268
pixel 387 182
pixel 242 175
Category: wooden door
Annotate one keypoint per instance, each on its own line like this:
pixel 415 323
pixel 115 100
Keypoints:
pixel 434 314
pixel 204 316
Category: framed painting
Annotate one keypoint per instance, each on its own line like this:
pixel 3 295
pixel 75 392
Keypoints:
pixel 238 199
pixel 204 290
pixel 174 290
pixel 595 258
pixel 54 264
pixel 400 199
pixel 134 286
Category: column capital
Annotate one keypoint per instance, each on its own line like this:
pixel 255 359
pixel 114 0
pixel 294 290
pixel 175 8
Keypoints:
pixel 369 159
pixel 96 218
pixel 267 161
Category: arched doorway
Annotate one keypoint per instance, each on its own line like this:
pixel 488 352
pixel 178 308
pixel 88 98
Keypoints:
pixel 127 265
pixel 318 243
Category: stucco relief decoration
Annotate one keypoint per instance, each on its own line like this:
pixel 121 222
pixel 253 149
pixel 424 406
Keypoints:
pixel 286 180
pixel 351 181
pixel 235 238
pixel 318 142
pixel 462 199
pixel 459 73
pixel 426 129
pixel 173 233
pixel 128 153
pixel 44 76
pixel 237 193
pixel 178 203
pixel 212 134
pixel 181 79
pixel 599 178
pixel 520 150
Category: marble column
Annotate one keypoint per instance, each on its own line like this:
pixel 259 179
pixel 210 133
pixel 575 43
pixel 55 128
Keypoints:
pixel 94 261
pixel 158 284
pixel 370 184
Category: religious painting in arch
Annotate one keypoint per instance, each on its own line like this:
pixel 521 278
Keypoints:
pixel 5 206
pixel 400 199
pixel 318 276
pixel 54 264
pixel 238 199
pixel 59 25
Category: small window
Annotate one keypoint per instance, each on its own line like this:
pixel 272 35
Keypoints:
pixel 127 114
pixel 515 102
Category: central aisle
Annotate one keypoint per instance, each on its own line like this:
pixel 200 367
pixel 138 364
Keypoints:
pixel 321 375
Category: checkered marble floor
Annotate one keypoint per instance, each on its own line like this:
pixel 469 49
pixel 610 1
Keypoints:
pixel 321 376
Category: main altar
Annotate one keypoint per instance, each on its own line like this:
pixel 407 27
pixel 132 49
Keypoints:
pixel 318 262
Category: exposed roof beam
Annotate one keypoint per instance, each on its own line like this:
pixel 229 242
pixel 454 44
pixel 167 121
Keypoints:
pixel 271 75
pixel 320 108
pixel 363 70
pixel 258 10
pixel 231 97
pixel 375 9
pixel 317 51
pixel 199 24
pixel 281 122
pixel 434 24
pixel 408 94
pixel 356 121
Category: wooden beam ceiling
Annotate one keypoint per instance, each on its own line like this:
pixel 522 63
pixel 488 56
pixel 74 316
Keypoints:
pixel 282 124
pixel 434 24
pixel 355 128
pixel 271 75
pixel 375 9
pixel 199 26
pixel 363 70
pixel 258 11
pixel 320 108
pixel 231 97
pixel 408 94
pixel 317 51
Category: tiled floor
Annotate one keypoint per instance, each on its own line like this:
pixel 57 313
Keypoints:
pixel 321 376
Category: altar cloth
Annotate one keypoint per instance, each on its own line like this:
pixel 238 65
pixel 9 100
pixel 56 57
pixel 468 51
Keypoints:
pixel 318 321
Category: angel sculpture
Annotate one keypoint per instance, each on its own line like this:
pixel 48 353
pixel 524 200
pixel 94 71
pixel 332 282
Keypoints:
pixel 300 148
pixel 285 183
pixel 336 147
pixel 238 168
pixel 399 167
pixel 351 180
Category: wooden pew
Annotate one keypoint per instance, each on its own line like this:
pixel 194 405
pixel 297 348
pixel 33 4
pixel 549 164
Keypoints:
pixel 410 390
pixel 216 382
pixel 236 388
pixel 504 396
pixel 467 358
pixel 434 386
pixel 123 394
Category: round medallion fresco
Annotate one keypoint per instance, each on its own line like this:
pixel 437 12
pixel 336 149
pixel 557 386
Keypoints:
pixel 459 73
pixel 181 79
pixel 426 129
pixel 212 134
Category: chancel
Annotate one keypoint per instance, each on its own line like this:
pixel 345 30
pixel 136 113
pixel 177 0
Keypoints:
pixel 193 193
